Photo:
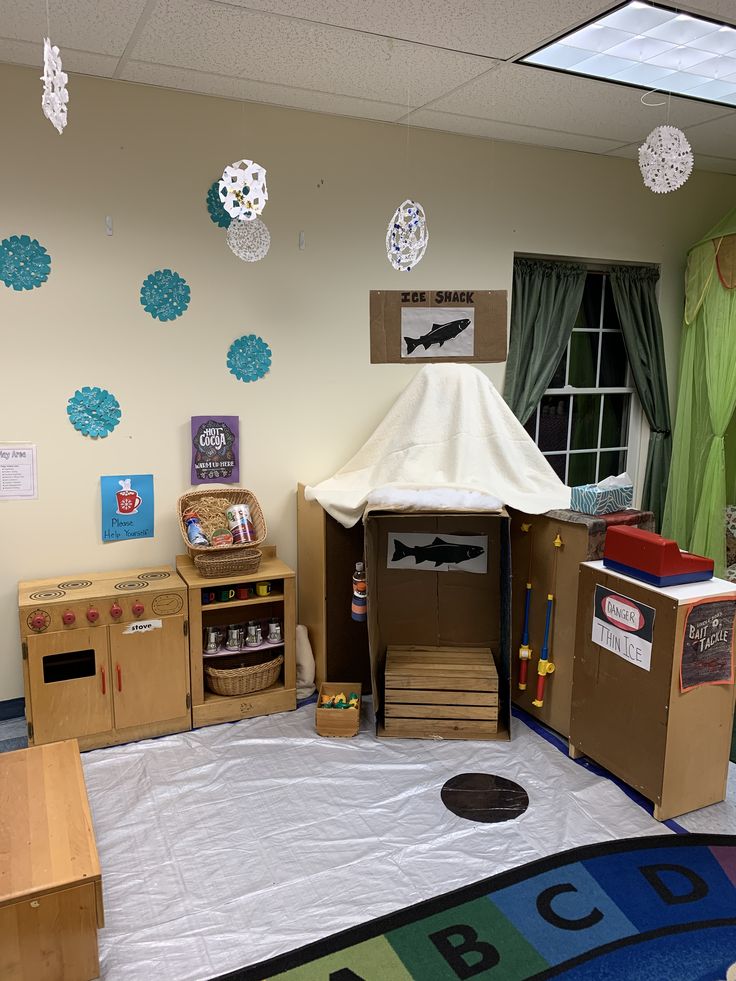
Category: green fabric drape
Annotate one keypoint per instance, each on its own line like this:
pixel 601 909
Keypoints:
pixel 634 296
pixel 546 300
pixel 698 491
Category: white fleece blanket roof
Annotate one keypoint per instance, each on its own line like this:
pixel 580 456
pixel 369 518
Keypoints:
pixel 449 428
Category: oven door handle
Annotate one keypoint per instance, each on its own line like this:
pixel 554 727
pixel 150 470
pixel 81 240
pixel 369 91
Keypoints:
pixel 119 671
pixel 104 681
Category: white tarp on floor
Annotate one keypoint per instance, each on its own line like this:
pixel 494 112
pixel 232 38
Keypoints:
pixel 228 845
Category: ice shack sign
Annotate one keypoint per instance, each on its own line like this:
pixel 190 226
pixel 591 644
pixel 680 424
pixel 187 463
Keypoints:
pixel 437 325
pixel 623 626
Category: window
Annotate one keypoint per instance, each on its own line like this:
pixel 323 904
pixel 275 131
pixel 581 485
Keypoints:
pixel 587 417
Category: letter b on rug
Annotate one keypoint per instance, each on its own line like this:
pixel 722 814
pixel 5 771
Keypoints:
pixel 468 957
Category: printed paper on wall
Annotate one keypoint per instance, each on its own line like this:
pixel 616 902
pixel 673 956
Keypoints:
pixel 428 330
pixel 215 449
pixel 707 644
pixel 127 507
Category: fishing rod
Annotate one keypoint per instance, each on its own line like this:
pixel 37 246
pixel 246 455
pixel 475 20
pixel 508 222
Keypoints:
pixel 545 665
pixel 525 651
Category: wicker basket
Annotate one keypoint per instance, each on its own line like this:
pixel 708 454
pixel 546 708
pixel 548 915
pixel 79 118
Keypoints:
pixel 241 681
pixel 229 495
pixel 223 562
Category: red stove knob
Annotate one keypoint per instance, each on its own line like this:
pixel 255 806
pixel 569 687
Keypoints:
pixel 93 615
pixel 138 608
pixel 116 611
pixel 38 621
pixel 68 617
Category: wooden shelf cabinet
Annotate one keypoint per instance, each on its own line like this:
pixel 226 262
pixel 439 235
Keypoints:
pixel 207 707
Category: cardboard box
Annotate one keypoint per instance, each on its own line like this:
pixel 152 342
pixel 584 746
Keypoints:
pixel 441 692
pixel 629 710
pixel 592 499
pixel 337 722
pixel 421 605
pixel 551 571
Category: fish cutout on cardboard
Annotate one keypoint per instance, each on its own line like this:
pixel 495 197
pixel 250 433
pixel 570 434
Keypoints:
pixel 435 553
pixel 431 332
pixel 437 335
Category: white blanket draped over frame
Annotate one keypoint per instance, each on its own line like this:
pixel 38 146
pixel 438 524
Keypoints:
pixel 449 428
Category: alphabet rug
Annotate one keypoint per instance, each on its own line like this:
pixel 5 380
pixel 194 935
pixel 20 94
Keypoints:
pixel 651 909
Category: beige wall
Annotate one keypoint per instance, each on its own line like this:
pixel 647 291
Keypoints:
pixel 146 157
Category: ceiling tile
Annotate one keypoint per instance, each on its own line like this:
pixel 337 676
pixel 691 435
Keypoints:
pixel 489 129
pixel 239 88
pixel 715 139
pixel 495 28
pixel 86 25
pixel 230 41
pixel 534 97
pixel 31 53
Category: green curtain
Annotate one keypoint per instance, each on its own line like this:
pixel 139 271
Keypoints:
pixel 633 289
pixel 546 300
pixel 698 491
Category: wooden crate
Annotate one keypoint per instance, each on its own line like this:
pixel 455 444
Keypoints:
pixel 446 692
pixel 338 722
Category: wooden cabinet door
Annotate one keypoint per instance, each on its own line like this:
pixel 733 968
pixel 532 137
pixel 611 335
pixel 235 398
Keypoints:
pixel 70 684
pixel 149 671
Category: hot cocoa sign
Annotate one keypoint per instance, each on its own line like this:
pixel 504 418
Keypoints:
pixel 215 449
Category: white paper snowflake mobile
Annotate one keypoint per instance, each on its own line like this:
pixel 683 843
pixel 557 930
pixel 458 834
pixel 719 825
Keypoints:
pixel 249 240
pixel 407 236
pixel 243 190
pixel 665 159
pixel 55 95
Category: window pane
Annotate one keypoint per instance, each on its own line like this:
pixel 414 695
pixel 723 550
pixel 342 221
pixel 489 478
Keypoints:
pixel 554 413
pixel 531 424
pixel 582 469
pixel 585 418
pixel 558 379
pixel 613 361
pixel 610 317
pixel 615 420
pixel 589 314
pixel 557 462
pixel 612 463
pixel 583 359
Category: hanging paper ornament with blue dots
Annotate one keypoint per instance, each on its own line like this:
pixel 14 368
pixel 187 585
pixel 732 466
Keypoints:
pixel 249 358
pixel 165 295
pixel 93 411
pixel 407 236
pixel 215 207
pixel 24 263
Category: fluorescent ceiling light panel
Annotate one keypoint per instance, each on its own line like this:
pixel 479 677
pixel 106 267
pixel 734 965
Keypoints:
pixel 647 45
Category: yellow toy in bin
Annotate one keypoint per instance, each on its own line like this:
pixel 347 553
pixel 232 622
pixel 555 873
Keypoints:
pixel 338 709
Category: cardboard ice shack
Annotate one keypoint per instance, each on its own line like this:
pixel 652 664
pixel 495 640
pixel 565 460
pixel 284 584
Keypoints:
pixel 430 486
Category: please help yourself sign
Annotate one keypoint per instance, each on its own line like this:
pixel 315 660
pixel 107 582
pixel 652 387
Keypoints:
pixel 623 626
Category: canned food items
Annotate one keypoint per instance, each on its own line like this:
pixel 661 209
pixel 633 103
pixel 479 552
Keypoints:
pixel 240 523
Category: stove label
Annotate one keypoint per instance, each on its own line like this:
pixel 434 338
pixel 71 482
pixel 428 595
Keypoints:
pixel 143 626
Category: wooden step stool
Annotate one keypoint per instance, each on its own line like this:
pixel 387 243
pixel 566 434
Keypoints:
pixel 445 692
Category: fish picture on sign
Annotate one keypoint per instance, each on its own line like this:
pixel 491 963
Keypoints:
pixel 427 332
pixel 438 552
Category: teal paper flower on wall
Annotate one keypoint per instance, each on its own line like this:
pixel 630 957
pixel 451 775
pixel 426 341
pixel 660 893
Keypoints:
pixel 24 263
pixel 249 358
pixel 214 205
pixel 165 295
pixel 93 411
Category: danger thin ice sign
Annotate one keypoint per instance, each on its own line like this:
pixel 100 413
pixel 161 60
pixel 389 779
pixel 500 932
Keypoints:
pixel 623 626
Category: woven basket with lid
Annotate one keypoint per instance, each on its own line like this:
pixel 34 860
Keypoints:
pixel 222 561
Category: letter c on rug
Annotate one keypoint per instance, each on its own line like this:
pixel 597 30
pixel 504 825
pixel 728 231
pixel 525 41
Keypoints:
pixel 544 908
pixel 698 887
pixel 456 953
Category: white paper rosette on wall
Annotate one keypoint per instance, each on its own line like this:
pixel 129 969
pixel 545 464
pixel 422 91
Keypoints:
pixel 665 159
pixel 407 236
pixel 243 190
pixel 55 96
pixel 249 240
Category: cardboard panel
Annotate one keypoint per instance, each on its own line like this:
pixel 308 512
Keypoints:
pixel 619 711
pixel 439 609
pixel 485 310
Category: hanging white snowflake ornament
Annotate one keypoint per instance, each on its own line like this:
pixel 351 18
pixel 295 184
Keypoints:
pixel 407 236
pixel 249 240
pixel 55 95
pixel 243 190
pixel 665 159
